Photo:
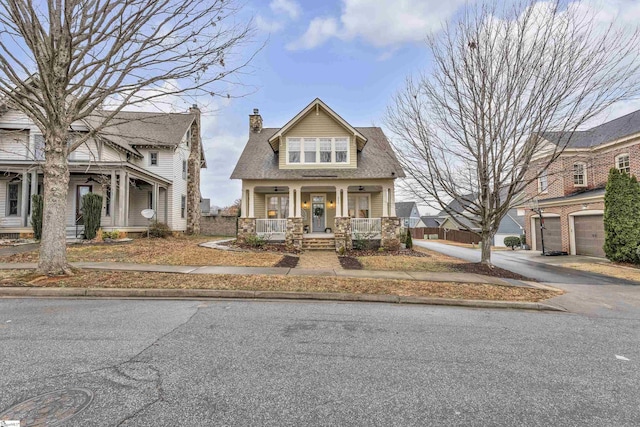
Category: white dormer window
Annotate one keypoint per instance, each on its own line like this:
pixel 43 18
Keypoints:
pixel 317 150
pixel 293 149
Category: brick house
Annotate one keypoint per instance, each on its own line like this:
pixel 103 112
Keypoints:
pixel 571 191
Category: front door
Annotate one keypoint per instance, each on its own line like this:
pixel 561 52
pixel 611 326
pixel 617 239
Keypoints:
pixel 318 214
pixel 81 191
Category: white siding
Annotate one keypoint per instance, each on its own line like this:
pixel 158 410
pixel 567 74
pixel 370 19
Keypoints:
pixel 138 201
pixel 110 154
pixel 16 118
pixel 86 152
pixel 14 144
pixel 179 188
pixel 166 162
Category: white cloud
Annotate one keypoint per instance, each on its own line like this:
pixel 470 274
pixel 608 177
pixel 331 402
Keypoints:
pixel 265 25
pixel 289 7
pixel 319 31
pixel 381 23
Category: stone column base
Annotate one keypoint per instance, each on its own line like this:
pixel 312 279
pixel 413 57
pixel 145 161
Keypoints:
pixel 246 227
pixel 342 232
pixel 293 235
pixel 390 227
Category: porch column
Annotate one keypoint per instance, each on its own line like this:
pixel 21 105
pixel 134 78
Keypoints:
pixel 243 203
pixel 112 199
pixel 34 188
pixel 251 203
pixel 154 199
pixel 345 200
pixel 338 203
pixel 299 202
pixel 25 199
pixel 292 202
pixel 392 202
pixel 385 202
pixel 122 194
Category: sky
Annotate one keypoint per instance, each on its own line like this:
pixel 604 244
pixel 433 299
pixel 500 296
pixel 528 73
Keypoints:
pixel 352 54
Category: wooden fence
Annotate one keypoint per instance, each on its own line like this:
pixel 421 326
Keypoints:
pixel 460 236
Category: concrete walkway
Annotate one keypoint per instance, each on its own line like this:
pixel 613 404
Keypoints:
pixel 284 271
pixel 319 260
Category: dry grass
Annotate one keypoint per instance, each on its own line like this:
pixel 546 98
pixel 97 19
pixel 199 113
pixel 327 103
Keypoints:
pixel 183 250
pixel 612 270
pixel 103 279
pixel 435 262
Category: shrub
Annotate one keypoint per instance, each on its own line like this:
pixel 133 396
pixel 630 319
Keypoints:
pixel 523 239
pixel 408 240
pixel 512 241
pixel 255 241
pixel 159 229
pixel 36 215
pixel 341 251
pixel 363 241
pixel 621 220
pixel 113 235
pixel 91 212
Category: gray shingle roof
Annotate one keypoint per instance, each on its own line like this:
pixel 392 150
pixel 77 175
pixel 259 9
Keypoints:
pixel 376 160
pixel 403 209
pixel 130 129
pixel 458 205
pixel 606 132
pixel 432 221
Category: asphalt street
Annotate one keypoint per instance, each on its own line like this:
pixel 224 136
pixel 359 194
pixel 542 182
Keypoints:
pixel 201 363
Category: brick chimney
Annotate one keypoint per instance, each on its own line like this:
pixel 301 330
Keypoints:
pixel 255 121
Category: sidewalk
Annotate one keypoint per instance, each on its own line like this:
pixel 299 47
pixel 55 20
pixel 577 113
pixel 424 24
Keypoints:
pixel 285 271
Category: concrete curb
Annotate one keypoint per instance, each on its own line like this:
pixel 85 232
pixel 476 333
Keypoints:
pixel 21 292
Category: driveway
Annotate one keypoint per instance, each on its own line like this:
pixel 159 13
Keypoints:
pixel 586 293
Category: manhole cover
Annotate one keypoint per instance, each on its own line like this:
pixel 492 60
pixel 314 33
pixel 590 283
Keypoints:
pixel 49 409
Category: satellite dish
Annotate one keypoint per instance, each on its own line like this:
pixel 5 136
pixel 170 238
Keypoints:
pixel 148 213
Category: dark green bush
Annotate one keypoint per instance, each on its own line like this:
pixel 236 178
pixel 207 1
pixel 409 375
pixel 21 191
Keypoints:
pixel 159 229
pixel 36 215
pixel 91 213
pixel 512 241
pixel 621 219
pixel 408 240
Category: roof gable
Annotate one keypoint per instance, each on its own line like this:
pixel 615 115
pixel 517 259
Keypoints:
pixel 317 105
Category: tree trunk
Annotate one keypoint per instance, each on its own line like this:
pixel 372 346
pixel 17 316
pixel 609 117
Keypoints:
pixel 53 246
pixel 485 254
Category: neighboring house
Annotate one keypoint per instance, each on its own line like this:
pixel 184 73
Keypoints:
pixel 459 219
pixel 571 191
pixel 432 221
pixel 317 176
pixel 408 214
pixel 139 161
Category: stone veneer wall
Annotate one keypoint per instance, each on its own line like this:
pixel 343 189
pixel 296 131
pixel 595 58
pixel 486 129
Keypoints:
pixel 218 225
pixel 246 226
pixel 390 228
pixel 293 235
pixel 342 233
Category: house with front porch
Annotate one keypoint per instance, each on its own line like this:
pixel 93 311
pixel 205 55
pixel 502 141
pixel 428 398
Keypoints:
pixel 140 160
pixel 318 182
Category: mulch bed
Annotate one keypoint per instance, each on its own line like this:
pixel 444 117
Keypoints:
pixel 477 268
pixel 350 263
pixel 400 252
pixel 269 247
pixel 288 261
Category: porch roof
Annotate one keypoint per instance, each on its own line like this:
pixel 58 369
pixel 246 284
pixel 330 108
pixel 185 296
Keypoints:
pixel 376 160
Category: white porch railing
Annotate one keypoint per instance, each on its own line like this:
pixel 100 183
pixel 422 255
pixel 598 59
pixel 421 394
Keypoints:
pixel 271 226
pixel 366 226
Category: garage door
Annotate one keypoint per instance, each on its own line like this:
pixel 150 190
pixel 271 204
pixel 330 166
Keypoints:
pixel 589 232
pixel 552 235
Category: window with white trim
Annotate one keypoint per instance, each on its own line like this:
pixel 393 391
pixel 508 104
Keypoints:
pixel 622 163
pixel 317 150
pixel 579 174
pixel 13 199
pixel 543 182
pixel 38 147
pixel 359 206
pixel 183 206
pixel 153 158
pixel 277 206
pixel 184 169
pixel 293 150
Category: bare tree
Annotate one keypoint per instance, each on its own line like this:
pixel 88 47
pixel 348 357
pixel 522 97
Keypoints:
pixel 61 61
pixel 502 77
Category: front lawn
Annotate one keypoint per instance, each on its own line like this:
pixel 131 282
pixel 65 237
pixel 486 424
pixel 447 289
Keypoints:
pixel 626 271
pixel 182 250
pixel 105 279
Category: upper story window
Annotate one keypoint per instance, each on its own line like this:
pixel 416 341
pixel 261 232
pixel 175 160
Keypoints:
pixel 38 147
pixel 622 163
pixel 153 158
pixel 188 137
pixel 543 182
pixel 579 174
pixel 317 150
pixel 184 169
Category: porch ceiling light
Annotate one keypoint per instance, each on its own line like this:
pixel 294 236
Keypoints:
pixel 275 189
pixel 361 188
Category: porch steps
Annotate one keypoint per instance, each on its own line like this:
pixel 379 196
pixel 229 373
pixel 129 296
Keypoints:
pixel 318 244
pixel 71 232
